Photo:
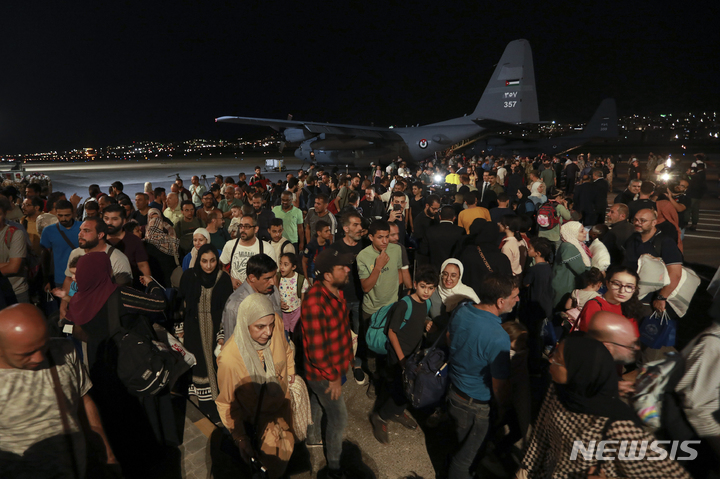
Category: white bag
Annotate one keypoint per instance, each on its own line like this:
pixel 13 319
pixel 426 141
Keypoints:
pixel 165 336
pixel 680 298
pixel 653 275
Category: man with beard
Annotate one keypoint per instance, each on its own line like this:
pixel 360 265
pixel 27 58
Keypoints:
pixel 207 207
pixel 57 242
pixel 263 216
pixel 129 244
pixel 237 253
pixel 292 220
pixel 92 238
pixel 351 243
pixel 620 231
pixel 327 346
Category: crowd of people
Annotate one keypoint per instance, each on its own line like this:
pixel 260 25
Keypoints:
pixel 528 272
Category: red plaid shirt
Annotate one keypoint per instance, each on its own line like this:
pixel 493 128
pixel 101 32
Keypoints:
pixel 326 334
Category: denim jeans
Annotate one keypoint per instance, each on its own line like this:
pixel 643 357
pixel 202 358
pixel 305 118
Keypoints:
pixel 472 422
pixel 354 308
pixel 337 418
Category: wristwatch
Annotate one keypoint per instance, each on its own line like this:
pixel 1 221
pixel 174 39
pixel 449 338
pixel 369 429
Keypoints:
pixel 660 297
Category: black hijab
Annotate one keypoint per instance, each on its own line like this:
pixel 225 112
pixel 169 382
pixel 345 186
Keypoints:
pixel 592 381
pixel 206 279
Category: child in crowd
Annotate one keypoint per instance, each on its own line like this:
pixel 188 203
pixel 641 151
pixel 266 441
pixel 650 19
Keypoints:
pixel 281 245
pixel 536 312
pixel 292 287
pixel 234 226
pixel 315 247
pixel 405 338
pixel 593 281
pixel 519 380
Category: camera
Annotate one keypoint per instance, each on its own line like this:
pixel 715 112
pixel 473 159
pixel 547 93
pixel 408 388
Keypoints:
pixel 397 207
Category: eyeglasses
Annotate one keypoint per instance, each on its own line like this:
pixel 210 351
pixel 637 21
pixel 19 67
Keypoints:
pixel 628 288
pixel 246 226
pixel 632 347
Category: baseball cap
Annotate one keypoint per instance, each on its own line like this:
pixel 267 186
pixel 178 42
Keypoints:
pixel 329 258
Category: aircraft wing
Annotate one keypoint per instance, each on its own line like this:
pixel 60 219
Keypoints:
pixel 350 131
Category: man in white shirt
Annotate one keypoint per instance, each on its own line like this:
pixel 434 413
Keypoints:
pixel 237 252
pixel 196 191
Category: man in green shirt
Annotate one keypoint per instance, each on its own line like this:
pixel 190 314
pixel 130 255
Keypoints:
pixel 379 268
pixel 226 204
pixel 292 217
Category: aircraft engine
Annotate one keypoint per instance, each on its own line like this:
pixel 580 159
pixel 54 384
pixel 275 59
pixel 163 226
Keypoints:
pixel 295 135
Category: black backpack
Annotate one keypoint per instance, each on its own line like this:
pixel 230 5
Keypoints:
pixel 145 365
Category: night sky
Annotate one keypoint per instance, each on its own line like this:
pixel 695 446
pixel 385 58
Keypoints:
pixel 82 74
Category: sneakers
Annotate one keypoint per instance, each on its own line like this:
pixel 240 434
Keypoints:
pixel 360 376
pixel 405 420
pixel 379 428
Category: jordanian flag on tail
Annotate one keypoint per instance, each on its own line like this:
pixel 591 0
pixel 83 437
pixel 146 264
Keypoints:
pixel 512 82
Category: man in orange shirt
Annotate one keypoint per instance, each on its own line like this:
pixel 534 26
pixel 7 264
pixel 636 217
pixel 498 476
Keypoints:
pixel 473 212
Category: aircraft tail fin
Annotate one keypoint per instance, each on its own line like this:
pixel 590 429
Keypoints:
pixel 604 123
pixel 510 95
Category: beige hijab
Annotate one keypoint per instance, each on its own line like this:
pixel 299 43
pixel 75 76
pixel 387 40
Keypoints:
pixel 569 233
pixel 252 309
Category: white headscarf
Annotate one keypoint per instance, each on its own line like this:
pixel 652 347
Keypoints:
pixel 569 234
pixel 194 250
pixel 460 292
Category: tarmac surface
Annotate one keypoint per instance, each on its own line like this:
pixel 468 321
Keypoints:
pixel 420 453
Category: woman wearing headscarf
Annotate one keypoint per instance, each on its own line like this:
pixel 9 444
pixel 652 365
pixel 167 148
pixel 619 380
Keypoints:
pixel 482 256
pixel 255 369
pixel 204 288
pixel 572 259
pixel 668 221
pixel 525 205
pixel 201 237
pixel 537 193
pixel 162 247
pixel 583 404
pixel 450 292
pixel 124 416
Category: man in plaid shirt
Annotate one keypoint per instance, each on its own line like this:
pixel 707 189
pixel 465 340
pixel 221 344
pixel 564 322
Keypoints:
pixel 328 352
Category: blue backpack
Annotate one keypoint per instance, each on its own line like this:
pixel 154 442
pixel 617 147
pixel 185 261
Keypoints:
pixel 376 336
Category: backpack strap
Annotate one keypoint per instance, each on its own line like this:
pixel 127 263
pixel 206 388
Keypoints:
pixel 285 243
pixel 408 312
pixel 62 233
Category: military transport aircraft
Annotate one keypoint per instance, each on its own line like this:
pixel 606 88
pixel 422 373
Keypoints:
pixel 508 99
pixel 603 124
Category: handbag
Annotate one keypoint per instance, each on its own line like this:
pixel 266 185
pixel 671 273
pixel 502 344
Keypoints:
pixel 653 275
pixel 680 298
pixel 658 330
pixel 425 377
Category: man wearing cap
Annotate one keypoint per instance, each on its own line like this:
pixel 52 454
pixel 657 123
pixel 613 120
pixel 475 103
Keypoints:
pixel 328 352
